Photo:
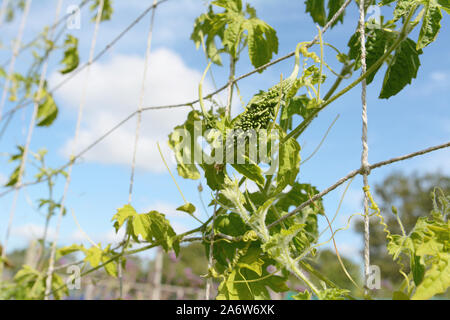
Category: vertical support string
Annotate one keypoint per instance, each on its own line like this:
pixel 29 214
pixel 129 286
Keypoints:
pixel 16 49
pixel 141 101
pixel 137 133
pixel 365 147
pixel 23 161
pixel 48 282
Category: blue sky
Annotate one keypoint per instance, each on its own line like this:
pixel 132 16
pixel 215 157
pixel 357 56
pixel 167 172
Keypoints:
pixel 415 119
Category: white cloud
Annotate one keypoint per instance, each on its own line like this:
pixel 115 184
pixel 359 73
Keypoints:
pixel 114 88
pixel 32 231
pixel 349 250
pixel 439 76
pixel 179 227
pixel 436 81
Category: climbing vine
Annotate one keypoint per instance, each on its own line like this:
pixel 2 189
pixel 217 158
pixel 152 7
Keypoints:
pixel 254 240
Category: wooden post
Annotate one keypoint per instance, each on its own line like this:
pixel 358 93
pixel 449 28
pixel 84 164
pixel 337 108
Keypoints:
pixel 30 255
pixel 157 277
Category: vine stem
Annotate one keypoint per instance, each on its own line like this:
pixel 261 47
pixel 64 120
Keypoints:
pixel 355 173
pixel 48 282
pixel 200 90
pixel 321 141
pixel 137 134
pixel 299 274
pixel 230 86
pixel 211 250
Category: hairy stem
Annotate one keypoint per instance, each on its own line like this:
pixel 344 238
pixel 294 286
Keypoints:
pixel 230 86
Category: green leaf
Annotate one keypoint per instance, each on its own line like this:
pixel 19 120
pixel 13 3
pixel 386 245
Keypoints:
pixel 214 178
pixel 181 141
pixel 93 256
pixel 229 27
pixel 277 283
pixel 25 274
pixel 262 41
pixel 30 284
pixel 232 5
pixel 308 215
pixel 333 7
pixel 378 41
pixel 436 279
pixel 289 163
pixel 188 207
pixel 385 2
pixel 431 24
pixel 305 295
pixel 232 34
pixel 47 110
pixel 71 58
pixel 445 5
pixel 403 8
pixel 203 28
pixel 61 252
pixel 250 171
pixel 280 242
pixel 155 228
pixel 107 9
pixel 297 105
pixel 333 294
pixel 14 177
pixel 244 281
pixel 123 214
pixel 399 295
pixel 142 226
pixel 418 270
pixel 316 8
pixel 230 224
pixel 96 255
pixel 428 251
pixel 402 69
pixel 252 261
pixel 111 267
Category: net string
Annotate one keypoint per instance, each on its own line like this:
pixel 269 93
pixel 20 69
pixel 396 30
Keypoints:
pixel 137 132
pixel 29 136
pixel 48 282
pixel 16 48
